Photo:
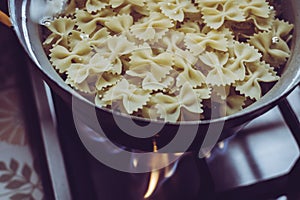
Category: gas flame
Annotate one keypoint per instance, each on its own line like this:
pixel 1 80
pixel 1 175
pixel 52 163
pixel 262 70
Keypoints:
pixel 157 177
pixel 153 182
pixel 154 176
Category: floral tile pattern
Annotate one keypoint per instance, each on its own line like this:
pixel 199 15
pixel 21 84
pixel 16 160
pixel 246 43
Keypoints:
pixel 11 120
pixel 19 178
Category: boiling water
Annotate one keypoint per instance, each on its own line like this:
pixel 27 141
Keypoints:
pixel 42 11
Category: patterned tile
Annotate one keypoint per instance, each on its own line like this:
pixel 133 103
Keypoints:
pixel 19 177
pixel 12 124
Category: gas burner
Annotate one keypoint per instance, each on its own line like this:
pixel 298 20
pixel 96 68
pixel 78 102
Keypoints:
pixel 260 162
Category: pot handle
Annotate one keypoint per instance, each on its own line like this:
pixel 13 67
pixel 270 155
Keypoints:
pixel 4 19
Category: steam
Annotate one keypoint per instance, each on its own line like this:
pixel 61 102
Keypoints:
pixel 42 10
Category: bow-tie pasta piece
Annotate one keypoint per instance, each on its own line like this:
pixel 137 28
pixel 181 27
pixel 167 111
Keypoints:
pixel 154 6
pixel 114 48
pixel 118 3
pixel 151 83
pixel 89 22
pixel 173 42
pixel 227 100
pixel 97 65
pixel 215 16
pixel 264 24
pixel 282 30
pixel 176 9
pixel 187 73
pixel 144 61
pixel 170 107
pixel 275 51
pixel 203 92
pixel 198 43
pixel 233 103
pixel 258 8
pixel 106 80
pixel 130 96
pixel 257 72
pixel 229 35
pixel 258 11
pixel 243 53
pixel 219 75
pixel 83 87
pixel 61 27
pixel 120 23
pixel 152 28
pixel 95 5
pixel 62 58
pixel 94 40
pixel 189 27
pixel 209 3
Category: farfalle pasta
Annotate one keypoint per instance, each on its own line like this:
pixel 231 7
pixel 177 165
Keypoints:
pixel 62 57
pixel 126 96
pixel 242 54
pixel 213 40
pixel 152 27
pixel 88 22
pixel 219 75
pixel 187 73
pixel 176 9
pixel 80 72
pixel 258 11
pixel 97 39
pixel 189 27
pixel 120 23
pixel 144 64
pixel 170 107
pixel 61 27
pixel 95 5
pixel 217 13
pixel 170 60
pixel 258 72
pixel 114 48
pixel 274 50
pixel 117 3
pixel 107 79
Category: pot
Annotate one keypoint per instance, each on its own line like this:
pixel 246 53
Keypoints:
pixel 192 135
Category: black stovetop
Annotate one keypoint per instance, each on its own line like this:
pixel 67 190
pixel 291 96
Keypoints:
pixel 260 162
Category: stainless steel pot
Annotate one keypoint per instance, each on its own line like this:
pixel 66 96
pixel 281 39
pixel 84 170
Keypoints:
pixel 29 35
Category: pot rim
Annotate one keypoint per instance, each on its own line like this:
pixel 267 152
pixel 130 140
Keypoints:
pixel 19 25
